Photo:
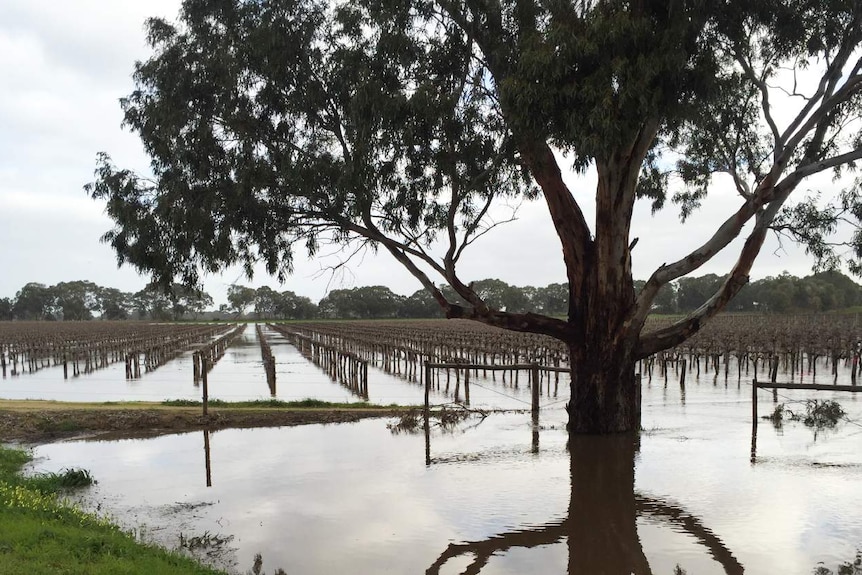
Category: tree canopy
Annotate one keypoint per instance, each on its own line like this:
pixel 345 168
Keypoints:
pixel 400 125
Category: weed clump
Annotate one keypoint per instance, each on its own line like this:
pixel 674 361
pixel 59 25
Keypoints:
pixel 181 403
pixel 446 418
pixel 449 418
pixel 65 479
pixel 409 422
pixel 777 416
pixel 818 414
pixel 257 568
pixel 206 542
pixel 823 413
pixel 847 568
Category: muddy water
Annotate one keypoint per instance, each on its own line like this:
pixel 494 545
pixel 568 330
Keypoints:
pixel 355 498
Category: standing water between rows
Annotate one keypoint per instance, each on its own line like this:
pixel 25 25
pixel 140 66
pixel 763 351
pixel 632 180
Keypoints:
pixel 358 498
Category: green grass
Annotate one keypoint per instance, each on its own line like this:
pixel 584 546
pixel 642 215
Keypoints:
pixel 43 534
pixel 277 403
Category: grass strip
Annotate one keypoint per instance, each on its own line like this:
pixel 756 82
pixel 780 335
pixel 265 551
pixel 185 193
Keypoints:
pixel 43 533
pixel 279 404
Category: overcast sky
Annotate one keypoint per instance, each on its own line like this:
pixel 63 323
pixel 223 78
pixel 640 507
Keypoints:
pixel 64 67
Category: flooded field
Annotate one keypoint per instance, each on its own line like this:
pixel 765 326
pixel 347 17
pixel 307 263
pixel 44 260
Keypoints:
pixel 239 376
pixel 496 498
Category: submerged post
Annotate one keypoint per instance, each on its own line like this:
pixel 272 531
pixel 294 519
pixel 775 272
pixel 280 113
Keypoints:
pixel 534 377
pixel 427 413
pixel 427 390
pixel 534 390
pixel 753 420
pixel 754 401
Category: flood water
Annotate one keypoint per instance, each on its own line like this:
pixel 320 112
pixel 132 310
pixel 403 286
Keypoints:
pixel 494 497
pixel 239 376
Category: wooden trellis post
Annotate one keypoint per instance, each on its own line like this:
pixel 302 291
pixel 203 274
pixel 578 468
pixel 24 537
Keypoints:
pixel 427 413
pixel 534 377
pixel 205 390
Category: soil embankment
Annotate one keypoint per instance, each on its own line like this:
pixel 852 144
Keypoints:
pixel 46 421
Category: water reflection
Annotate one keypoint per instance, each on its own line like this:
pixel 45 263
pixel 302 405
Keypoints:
pixel 356 498
pixel 207 463
pixel 600 527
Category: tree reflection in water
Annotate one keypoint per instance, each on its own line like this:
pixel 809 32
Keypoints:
pixel 601 525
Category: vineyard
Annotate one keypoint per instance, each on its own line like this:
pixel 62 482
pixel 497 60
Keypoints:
pixel 696 402
pixel 27 347
pixel 358 355
pixel 748 345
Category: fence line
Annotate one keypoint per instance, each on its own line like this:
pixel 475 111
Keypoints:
pixel 775 386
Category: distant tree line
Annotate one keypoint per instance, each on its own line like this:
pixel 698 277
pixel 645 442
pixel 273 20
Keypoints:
pixel 826 291
pixel 84 300
pixel 378 302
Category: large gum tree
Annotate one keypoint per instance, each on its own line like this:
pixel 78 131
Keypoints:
pixel 400 125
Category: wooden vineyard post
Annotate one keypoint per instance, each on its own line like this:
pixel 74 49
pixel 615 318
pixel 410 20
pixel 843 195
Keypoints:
pixel 365 377
pixel 467 387
pixel 682 374
pixel 427 414
pixel 534 389
pixel 534 377
pixel 204 362
pixel 754 401
pixel 753 420
pixel 270 371
pixel 427 390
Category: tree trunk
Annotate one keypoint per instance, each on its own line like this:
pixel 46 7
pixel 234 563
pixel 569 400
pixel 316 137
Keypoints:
pixel 605 394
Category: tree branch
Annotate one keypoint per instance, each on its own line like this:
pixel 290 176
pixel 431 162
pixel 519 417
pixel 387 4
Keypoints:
pixel 806 170
pixel 569 222
pixel 761 86
pixel 691 324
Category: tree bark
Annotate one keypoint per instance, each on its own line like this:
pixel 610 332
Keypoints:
pixel 604 389
pixel 604 392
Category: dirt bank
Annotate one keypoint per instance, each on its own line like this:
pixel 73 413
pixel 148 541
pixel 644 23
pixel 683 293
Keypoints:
pixel 46 421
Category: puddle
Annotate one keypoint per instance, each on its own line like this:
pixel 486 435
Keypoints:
pixel 356 498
